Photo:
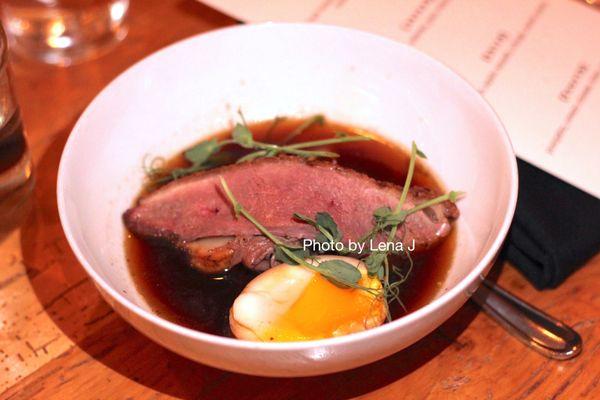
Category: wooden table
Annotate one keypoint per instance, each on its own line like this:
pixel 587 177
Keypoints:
pixel 59 340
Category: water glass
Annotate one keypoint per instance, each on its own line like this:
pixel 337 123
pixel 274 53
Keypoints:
pixel 64 32
pixel 15 163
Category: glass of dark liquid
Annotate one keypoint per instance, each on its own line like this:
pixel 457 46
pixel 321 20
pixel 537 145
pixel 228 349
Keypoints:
pixel 15 163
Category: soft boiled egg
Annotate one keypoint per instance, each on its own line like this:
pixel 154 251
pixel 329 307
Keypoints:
pixel 292 303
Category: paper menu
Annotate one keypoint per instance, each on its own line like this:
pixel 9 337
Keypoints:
pixel 536 61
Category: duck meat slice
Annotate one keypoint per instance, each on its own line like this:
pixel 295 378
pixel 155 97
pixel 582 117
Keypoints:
pixel 194 214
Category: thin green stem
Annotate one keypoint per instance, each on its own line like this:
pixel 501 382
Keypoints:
pixel 310 153
pixel 225 142
pixel 239 209
pixel 272 127
pixel 317 119
pixel 252 156
pixel 432 202
pixel 409 176
pixel 407 182
pixel 326 142
pixel 266 148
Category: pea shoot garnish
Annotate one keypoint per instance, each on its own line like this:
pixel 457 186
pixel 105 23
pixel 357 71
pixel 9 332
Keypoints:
pixel 385 222
pixel 338 272
pixel 207 154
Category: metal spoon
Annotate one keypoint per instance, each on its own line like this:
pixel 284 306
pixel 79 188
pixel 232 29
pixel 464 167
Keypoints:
pixel 533 327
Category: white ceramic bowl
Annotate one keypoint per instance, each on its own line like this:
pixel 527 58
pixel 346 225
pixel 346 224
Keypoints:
pixel 192 88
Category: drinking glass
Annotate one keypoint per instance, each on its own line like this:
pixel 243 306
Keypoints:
pixel 64 32
pixel 15 163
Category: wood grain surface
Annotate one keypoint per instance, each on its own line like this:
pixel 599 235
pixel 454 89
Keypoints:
pixel 60 340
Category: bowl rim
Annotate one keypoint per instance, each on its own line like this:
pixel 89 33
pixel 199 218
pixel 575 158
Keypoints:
pixel 424 311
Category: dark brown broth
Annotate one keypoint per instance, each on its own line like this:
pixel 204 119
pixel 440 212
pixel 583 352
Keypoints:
pixel 183 295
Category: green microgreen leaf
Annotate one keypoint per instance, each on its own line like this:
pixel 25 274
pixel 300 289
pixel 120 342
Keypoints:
pixel 339 271
pixel 201 152
pixel 325 220
pixel 242 136
pixel 374 261
pixel 382 212
pixel 328 231
pixel 283 257
pixel 420 153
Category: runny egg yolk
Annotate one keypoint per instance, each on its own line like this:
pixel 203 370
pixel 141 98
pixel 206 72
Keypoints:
pixel 293 303
pixel 325 310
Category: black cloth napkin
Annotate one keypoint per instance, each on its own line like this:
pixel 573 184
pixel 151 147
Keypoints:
pixel 555 230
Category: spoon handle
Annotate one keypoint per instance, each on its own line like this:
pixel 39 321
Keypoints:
pixel 533 327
